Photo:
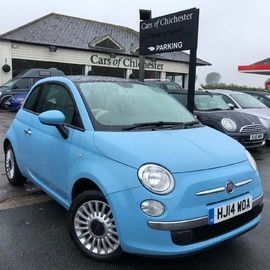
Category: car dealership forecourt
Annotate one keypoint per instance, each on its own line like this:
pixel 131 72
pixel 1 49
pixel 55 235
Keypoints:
pixel 125 191
pixel 135 177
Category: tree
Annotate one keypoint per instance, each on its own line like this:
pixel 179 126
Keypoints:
pixel 212 78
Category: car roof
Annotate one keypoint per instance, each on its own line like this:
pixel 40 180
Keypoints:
pixel 84 78
pixel 257 92
pixel 196 92
pixel 228 92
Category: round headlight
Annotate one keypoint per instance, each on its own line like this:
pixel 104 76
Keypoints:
pixel 156 178
pixel 229 124
pixel 252 161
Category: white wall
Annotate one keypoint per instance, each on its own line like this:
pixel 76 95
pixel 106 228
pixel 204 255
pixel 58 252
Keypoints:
pixel 5 58
pixel 41 53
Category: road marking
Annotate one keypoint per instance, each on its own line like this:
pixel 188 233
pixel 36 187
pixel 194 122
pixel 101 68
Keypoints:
pixel 23 201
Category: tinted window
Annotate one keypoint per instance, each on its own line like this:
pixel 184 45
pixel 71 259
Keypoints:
pixel 181 98
pixel 53 97
pixel 24 83
pixel 229 100
pixel 171 86
pixel 30 103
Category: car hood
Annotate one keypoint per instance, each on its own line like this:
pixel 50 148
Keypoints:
pixel 3 88
pixel 177 150
pixel 260 112
pixel 241 118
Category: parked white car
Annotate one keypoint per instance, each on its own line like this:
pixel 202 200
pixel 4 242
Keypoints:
pixel 246 103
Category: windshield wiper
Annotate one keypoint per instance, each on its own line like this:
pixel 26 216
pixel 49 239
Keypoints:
pixel 161 124
pixel 191 123
pixel 215 109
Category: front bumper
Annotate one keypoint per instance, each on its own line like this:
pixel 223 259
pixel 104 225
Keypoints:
pixel 183 228
pixel 182 225
pixel 250 136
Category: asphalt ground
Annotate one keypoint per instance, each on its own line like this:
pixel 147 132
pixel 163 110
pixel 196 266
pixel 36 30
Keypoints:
pixel 33 232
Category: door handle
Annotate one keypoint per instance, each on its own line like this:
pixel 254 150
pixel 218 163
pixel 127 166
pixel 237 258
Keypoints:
pixel 27 131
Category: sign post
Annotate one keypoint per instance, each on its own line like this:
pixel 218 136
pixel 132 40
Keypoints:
pixel 144 15
pixel 173 32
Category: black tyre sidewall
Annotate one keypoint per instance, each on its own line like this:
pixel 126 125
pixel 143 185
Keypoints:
pixel 77 202
pixel 3 103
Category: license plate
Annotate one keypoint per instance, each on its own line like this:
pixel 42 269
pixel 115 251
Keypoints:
pixel 256 136
pixel 230 210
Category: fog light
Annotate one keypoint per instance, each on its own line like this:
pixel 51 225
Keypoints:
pixel 152 208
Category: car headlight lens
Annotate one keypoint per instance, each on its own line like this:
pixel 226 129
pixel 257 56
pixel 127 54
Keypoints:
pixel 152 208
pixel 229 124
pixel 156 178
pixel 252 161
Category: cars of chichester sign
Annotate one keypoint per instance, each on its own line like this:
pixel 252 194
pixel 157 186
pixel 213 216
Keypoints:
pixel 173 32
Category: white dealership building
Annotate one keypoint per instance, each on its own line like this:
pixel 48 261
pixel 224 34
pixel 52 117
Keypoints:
pixel 83 47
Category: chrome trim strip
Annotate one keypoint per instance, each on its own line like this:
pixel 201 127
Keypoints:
pixel 258 200
pixel 178 225
pixel 210 191
pixel 239 184
pixel 189 223
pixel 220 189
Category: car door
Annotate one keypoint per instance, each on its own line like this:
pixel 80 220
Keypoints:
pixel 47 151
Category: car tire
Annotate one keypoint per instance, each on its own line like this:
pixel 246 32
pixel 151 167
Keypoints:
pixel 3 103
pixel 13 173
pixel 92 227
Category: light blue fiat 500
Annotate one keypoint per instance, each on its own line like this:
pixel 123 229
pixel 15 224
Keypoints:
pixel 135 170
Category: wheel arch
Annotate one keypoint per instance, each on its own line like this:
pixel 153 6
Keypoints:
pixel 5 144
pixel 82 185
pixel 3 100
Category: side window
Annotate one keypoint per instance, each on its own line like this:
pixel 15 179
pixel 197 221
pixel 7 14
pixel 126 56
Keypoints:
pixel 57 97
pixel 170 86
pixel 36 80
pixel 260 99
pixel 181 98
pixel 228 100
pixel 24 83
pixel 31 101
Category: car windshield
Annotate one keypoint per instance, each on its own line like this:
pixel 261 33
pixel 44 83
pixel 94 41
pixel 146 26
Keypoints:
pixel 11 82
pixel 127 105
pixel 204 102
pixel 247 101
pixel 210 103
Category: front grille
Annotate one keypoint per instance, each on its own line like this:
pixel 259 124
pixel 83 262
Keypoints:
pixel 206 232
pixel 253 129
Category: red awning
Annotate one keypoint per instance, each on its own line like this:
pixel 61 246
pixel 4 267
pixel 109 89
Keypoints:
pixel 263 69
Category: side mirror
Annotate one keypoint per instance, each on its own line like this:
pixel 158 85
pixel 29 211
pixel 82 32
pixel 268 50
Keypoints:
pixel 231 106
pixel 54 118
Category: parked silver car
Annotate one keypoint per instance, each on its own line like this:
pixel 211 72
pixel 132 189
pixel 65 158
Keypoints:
pixel 246 103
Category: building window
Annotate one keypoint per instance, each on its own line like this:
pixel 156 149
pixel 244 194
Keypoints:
pixel 106 71
pixel 147 74
pixel 176 77
pixel 18 65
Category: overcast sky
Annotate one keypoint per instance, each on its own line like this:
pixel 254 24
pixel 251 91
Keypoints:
pixel 231 32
